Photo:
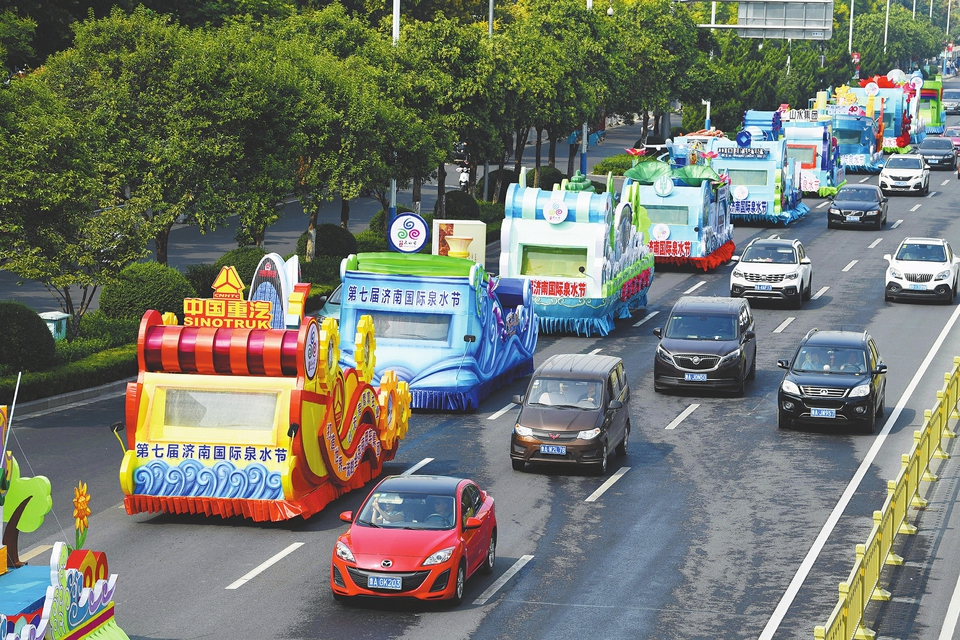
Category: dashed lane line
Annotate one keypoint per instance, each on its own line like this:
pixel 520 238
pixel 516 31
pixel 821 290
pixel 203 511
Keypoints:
pixel 823 204
pixel 875 243
pixel 896 224
pixel 914 207
pixel 420 465
pixel 819 293
pixel 862 180
pixel 502 580
pixel 646 317
pixel 944 183
pixel 496 415
pixel 695 287
pixel 850 265
pixel 606 485
pixel 931 194
pixel 784 324
pixel 266 565
pixel 596 351
pixel 683 416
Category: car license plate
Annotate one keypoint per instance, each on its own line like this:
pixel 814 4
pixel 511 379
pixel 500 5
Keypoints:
pixel 381 582
pixel 918 287
pixel 553 449
pixel 823 413
pixel 899 184
pixel 695 377
pixel 852 218
pixel 763 287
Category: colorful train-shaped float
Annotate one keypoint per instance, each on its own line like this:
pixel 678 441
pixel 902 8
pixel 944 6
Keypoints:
pixel 231 416
pixel 444 326
pixel 857 128
pixel 816 151
pixel 902 122
pixel 583 253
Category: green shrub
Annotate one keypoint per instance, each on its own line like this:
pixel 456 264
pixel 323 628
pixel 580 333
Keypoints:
pixel 117 331
pixel 316 291
pixel 26 343
pixel 460 205
pixel 549 176
pixel 378 223
pixel 99 368
pixel 142 286
pixel 370 241
pixel 321 270
pixel 676 131
pixel 79 348
pixel 334 240
pixel 201 277
pixel 508 177
pixel 490 212
pixel 245 259
pixel 618 164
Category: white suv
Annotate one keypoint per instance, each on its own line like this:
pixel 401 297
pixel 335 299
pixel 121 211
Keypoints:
pixel 908 173
pixel 922 268
pixel 773 269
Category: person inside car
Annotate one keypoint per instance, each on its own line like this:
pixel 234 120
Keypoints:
pixel 854 363
pixel 385 511
pixel 811 361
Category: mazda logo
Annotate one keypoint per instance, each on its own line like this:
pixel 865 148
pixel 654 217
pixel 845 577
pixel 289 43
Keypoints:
pixel 386 564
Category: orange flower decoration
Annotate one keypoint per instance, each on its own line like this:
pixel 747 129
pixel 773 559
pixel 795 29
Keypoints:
pixel 81 510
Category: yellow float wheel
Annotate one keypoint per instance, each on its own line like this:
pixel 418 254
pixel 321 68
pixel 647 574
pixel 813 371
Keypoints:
pixel 328 360
pixel 389 411
pixel 365 347
pixel 403 408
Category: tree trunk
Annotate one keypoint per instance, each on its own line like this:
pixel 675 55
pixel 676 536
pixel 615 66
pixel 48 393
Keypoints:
pixel 552 149
pixel 656 122
pixel 417 194
pixel 311 250
pixel 571 160
pixel 645 127
pixel 498 181
pixel 536 162
pixel 344 212
pixel 440 213
pixel 11 536
pixel 162 239
pixel 522 135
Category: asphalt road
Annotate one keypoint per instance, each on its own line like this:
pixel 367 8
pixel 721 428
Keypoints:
pixel 700 538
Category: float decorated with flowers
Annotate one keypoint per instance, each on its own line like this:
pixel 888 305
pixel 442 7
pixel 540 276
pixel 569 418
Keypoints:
pixel 231 415
pixel 583 253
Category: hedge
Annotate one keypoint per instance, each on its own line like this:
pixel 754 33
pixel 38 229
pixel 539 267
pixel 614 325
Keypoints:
pixel 142 286
pixel 26 343
pixel 100 368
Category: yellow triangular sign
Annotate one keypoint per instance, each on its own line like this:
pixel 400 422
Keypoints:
pixel 228 285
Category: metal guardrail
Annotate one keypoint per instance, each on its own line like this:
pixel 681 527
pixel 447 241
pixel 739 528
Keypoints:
pixel 863 584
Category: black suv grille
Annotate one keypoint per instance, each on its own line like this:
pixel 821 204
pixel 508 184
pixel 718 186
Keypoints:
pixel 409 582
pixel 696 362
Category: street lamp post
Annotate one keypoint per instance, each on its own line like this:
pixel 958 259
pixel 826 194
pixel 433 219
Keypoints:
pixel 584 137
pixel 850 39
pixel 392 212
pixel 486 162
pixel 886 27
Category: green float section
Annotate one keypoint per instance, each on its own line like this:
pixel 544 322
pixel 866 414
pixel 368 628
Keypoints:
pixel 410 264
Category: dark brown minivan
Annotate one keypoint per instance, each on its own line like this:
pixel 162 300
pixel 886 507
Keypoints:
pixel 576 409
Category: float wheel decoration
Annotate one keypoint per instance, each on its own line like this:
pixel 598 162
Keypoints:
pixel 389 411
pixel 365 344
pixel 404 398
pixel 329 355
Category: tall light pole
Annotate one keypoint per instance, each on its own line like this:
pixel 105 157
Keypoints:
pixel 850 39
pixel 886 27
pixel 486 162
pixel 585 134
pixel 392 212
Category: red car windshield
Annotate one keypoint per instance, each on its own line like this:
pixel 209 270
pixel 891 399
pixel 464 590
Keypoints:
pixel 408 510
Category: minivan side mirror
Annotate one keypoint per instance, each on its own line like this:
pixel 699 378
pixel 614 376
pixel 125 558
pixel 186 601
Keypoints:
pixel 658 332
pixel 613 405
pixel 804 260
pixel 735 259
pixel 888 257
pixel 881 368
pixel 749 335
pixel 518 399
pixel 783 364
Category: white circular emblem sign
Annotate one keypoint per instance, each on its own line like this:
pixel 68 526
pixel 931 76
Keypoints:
pixel 555 212
pixel 740 192
pixel 311 350
pixel 408 233
pixel 871 89
pixel 663 186
pixel 660 232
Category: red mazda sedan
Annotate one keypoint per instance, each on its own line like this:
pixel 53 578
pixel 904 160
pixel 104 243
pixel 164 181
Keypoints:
pixel 416 537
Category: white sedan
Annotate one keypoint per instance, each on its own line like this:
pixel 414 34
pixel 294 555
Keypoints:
pixel 906 173
pixel 922 268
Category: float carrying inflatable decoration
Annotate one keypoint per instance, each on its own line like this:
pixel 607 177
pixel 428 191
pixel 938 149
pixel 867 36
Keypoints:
pixel 689 212
pixel 815 150
pixel 443 326
pixel 902 124
pixel 256 422
pixel 585 257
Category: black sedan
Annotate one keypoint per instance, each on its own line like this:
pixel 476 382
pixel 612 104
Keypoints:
pixel 939 153
pixel 836 378
pixel 860 205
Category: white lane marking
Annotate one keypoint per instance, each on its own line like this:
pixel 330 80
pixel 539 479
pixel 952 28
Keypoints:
pixel 931 194
pixel 502 580
pixel 784 324
pixel 914 207
pixel 862 180
pixel 944 183
pixel 823 204
pixel 680 418
pixel 875 243
pixel 695 287
pixel 606 485
pixel 412 470
pixel 266 565
pixel 822 291
pixel 850 265
pixel 896 224
pixel 33 553
pixel 501 412
pixel 646 317
pixel 596 351
pixel 953 612
pixel 781 610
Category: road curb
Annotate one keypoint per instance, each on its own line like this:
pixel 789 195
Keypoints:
pixel 64 399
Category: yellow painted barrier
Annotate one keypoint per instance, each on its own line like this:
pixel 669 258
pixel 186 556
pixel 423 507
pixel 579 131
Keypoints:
pixel 863 584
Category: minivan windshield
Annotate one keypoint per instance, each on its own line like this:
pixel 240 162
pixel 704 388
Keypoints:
pixel 701 327
pixel 568 393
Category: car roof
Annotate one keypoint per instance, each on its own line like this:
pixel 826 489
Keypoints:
pixel 835 338
pixel 924 241
pixel 708 304
pixel 931 139
pixel 912 156
pixel 858 187
pixel 585 365
pixel 773 242
pixel 443 485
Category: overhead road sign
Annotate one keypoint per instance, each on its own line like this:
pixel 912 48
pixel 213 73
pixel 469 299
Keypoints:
pixel 782 19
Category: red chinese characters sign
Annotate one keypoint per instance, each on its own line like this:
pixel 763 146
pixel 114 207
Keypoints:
pixel 554 288
pixel 671 248
pixel 230 314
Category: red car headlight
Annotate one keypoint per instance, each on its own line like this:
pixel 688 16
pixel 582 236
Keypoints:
pixel 343 552
pixel 439 557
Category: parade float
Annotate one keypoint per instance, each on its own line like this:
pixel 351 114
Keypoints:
pixel 444 326
pixel 931 105
pixel 857 128
pixel 816 151
pixel 762 177
pixel 232 416
pixel 584 254
pixel 902 123
pixel 71 597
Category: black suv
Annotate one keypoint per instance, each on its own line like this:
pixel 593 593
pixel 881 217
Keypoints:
pixel 836 378
pixel 938 152
pixel 707 343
